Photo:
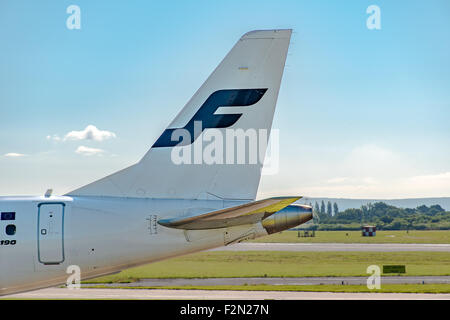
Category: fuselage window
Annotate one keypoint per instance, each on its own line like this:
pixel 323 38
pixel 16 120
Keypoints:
pixel 10 229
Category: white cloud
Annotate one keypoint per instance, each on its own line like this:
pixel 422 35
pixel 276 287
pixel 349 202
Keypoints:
pixel 14 155
pixel 440 178
pixel 373 161
pixel 419 186
pixel 431 184
pixel 365 171
pixel 337 180
pixel 89 133
pixel 55 137
pixel 86 151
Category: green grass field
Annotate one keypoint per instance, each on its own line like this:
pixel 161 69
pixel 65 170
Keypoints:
pixel 388 288
pixel 283 264
pixel 414 236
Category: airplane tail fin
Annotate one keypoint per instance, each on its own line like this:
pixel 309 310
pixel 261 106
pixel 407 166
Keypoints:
pixel 208 151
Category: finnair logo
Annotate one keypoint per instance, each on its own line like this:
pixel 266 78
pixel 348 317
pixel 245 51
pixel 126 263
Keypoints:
pixel 193 145
pixel 205 115
pixel 223 147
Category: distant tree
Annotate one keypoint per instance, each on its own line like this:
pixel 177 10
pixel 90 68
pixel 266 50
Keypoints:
pixel 422 209
pixel 322 207
pixel 386 219
pixel 364 213
pixel 369 210
pixel 316 208
pixel 348 216
pixel 335 208
pixel 329 209
pixel 435 209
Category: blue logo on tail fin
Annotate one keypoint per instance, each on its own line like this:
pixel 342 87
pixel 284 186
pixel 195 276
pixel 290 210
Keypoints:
pixel 220 98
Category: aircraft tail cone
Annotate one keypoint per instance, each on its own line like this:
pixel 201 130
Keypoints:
pixel 288 218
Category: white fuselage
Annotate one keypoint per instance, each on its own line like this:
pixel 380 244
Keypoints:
pixel 101 235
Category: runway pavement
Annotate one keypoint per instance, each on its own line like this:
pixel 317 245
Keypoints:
pixel 111 293
pixel 128 294
pixel 380 247
pixel 280 281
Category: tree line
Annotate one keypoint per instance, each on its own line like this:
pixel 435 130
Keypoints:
pixel 385 217
pixel 326 212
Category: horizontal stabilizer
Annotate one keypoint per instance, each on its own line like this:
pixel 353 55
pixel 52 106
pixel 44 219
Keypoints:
pixel 248 213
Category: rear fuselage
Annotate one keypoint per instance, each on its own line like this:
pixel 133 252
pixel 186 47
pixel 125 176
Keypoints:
pixel 101 235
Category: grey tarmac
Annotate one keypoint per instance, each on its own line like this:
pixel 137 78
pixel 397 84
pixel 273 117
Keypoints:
pixel 145 294
pixel 280 281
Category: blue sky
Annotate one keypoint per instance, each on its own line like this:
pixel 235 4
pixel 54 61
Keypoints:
pixel 362 113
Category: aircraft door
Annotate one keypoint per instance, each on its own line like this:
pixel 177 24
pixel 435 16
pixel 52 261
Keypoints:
pixel 51 233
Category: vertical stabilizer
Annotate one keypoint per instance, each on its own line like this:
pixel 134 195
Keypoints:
pixel 240 94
